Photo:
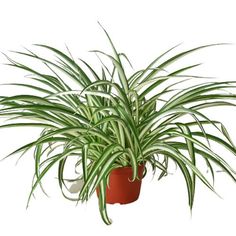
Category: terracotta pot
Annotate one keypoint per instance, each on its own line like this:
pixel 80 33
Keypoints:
pixel 121 189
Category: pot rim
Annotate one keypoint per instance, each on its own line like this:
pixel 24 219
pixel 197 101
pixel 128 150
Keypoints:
pixel 126 169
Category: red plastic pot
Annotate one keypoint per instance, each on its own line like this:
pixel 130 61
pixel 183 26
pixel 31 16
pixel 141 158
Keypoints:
pixel 121 189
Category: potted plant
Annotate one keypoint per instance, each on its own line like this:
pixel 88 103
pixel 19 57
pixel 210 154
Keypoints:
pixel 115 125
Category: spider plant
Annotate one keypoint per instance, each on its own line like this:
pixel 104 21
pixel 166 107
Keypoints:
pixel 110 119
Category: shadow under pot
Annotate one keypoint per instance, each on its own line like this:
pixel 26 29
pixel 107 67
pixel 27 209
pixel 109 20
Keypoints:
pixel 120 188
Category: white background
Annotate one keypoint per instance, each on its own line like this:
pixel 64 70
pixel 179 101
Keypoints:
pixel 143 30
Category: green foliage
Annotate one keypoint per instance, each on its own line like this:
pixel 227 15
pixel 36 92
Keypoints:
pixel 110 120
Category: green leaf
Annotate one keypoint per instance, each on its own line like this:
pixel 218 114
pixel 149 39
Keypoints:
pixel 102 202
pixel 56 158
pixel 95 170
pixel 185 129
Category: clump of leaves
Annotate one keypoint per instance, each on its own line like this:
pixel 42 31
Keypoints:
pixel 109 119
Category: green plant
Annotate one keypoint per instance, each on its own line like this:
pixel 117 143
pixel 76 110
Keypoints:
pixel 110 120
